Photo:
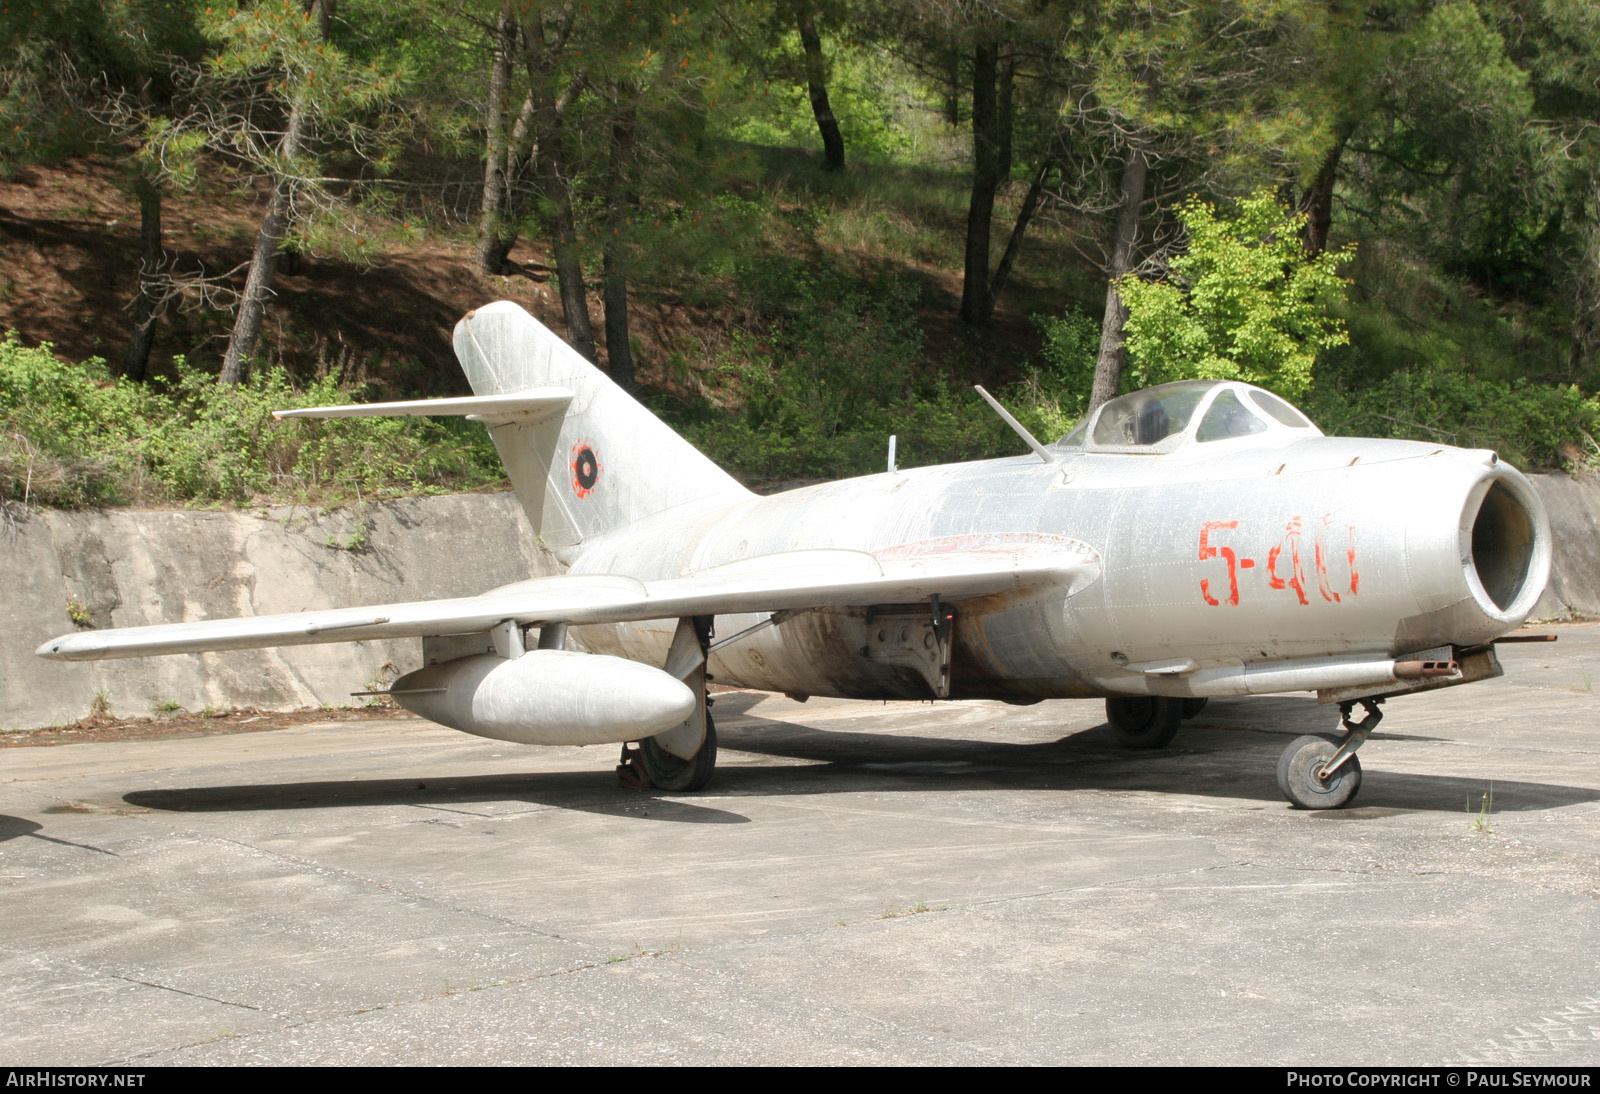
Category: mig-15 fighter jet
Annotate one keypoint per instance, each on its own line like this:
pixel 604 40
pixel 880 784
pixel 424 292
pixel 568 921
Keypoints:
pixel 1197 539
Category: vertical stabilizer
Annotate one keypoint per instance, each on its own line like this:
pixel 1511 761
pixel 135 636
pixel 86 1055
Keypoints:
pixel 605 464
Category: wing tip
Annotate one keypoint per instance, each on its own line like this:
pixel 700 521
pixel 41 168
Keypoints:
pixel 57 649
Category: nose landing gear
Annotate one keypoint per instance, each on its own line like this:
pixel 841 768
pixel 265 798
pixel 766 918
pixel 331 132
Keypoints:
pixel 1321 771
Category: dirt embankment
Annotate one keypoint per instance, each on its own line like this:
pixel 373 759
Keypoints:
pixel 69 257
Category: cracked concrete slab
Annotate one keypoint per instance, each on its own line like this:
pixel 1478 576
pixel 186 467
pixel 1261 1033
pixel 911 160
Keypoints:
pixel 869 883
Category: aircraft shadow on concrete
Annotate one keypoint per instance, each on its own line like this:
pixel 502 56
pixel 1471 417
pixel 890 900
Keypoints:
pixel 584 791
pixel 1204 760
pixel 1216 755
pixel 12 827
pixel 18 827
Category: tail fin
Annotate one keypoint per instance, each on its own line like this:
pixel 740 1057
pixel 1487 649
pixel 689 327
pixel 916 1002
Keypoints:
pixel 606 463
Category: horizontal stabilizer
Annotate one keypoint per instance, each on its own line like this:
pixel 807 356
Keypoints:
pixel 953 569
pixel 534 405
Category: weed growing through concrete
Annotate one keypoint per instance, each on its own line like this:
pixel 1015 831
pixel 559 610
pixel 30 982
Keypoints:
pixel 386 674
pixel 1485 809
pixel 916 909
pixel 354 541
pixel 78 612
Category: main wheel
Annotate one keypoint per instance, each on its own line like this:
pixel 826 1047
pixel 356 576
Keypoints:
pixel 1192 707
pixel 1298 770
pixel 669 772
pixel 1144 721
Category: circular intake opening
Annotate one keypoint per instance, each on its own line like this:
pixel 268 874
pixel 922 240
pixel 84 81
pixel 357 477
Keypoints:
pixel 1504 543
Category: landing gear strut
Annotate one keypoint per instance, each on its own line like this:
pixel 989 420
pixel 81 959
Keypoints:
pixel 1321 771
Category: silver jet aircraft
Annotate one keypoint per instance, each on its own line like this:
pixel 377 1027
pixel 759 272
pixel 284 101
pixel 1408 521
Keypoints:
pixel 1197 539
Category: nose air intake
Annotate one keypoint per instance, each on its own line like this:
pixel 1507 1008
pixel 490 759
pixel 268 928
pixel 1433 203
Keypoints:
pixel 1506 548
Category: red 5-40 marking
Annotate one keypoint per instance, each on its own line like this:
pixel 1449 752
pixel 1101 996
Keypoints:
pixel 1208 552
pixel 1282 572
pixel 1297 577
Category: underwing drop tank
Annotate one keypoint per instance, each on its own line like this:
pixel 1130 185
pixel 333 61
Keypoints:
pixel 547 697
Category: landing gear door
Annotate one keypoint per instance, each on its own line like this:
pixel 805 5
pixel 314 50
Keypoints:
pixel 686 660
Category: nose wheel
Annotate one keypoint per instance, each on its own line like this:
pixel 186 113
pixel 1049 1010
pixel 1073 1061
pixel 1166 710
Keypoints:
pixel 1321 771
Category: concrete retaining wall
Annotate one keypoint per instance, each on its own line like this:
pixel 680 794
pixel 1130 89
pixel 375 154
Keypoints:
pixel 1574 508
pixel 127 568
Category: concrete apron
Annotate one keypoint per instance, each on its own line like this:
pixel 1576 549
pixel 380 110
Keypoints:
pixel 903 883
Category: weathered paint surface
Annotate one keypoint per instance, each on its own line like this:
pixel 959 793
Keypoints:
pixel 1263 553
pixel 547 697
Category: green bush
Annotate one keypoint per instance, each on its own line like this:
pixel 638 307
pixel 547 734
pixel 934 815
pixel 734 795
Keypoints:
pixel 1071 348
pixel 74 436
pixel 1245 302
pixel 1532 425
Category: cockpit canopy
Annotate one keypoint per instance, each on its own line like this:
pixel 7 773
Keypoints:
pixel 1163 418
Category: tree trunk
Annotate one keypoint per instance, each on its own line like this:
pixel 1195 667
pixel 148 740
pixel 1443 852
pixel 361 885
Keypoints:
pixel 494 250
pixel 619 351
pixel 1030 205
pixel 269 238
pixel 1317 203
pixel 324 12
pixel 1004 113
pixel 560 226
pixel 817 83
pixel 952 88
pixel 147 305
pixel 976 302
pixel 1108 367
pixel 493 246
pixel 1585 284
pixel 264 261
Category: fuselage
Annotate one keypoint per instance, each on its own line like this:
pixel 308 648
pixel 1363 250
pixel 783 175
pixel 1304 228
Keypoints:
pixel 1215 557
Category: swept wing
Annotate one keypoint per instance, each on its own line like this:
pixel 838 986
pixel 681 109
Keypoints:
pixel 956 569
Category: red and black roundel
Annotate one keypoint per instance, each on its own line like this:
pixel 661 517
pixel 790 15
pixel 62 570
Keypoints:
pixel 585 468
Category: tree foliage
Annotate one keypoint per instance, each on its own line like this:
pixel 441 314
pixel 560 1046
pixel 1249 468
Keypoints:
pixel 1179 184
pixel 1243 302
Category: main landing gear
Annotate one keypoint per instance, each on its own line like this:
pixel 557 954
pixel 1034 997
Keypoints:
pixel 683 758
pixel 1148 721
pixel 651 765
pixel 1321 771
pixel 667 772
